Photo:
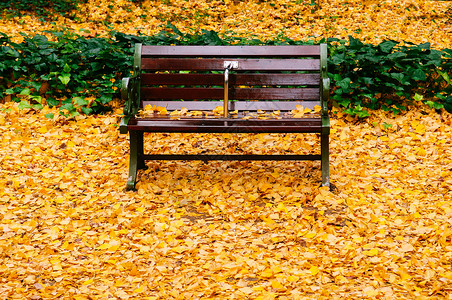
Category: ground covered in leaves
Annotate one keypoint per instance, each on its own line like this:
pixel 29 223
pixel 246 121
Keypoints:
pixel 235 230
pixel 260 230
pixel 415 21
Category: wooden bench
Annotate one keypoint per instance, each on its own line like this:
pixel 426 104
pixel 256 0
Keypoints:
pixel 246 81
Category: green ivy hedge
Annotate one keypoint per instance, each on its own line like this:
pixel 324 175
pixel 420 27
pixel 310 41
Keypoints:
pixel 388 76
pixel 64 72
pixel 82 75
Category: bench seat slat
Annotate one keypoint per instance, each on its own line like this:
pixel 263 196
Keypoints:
pixel 234 105
pixel 234 94
pixel 208 64
pixel 230 51
pixel 308 125
pixel 234 79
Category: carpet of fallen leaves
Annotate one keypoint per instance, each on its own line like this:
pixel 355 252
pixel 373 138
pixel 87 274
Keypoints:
pixel 235 230
pixel 416 21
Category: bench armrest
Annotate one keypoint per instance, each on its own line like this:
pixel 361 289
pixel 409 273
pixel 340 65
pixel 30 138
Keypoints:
pixel 124 87
pixel 123 125
pixel 325 94
pixel 130 94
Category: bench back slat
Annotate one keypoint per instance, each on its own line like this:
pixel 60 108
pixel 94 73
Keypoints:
pixel 234 79
pixel 231 51
pixel 211 64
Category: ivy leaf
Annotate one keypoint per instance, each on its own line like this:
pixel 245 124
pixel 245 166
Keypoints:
pixel 25 91
pixel 80 101
pixel 66 68
pixel 24 104
pixel 387 46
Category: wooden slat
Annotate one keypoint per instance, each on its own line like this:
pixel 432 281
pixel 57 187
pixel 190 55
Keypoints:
pixel 231 51
pixel 181 93
pixel 312 125
pixel 274 79
pixel 272 105
pixel 275 94
pixel 234 94
pixel 230 122
pixel 228 157
pixel 210 64
pixel 234 79
pixel 181 79
pixel 234 105
pixel 190 105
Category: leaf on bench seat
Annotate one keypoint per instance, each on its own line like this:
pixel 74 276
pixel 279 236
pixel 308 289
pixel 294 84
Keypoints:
pixel 218 110
pixel 181 112
pixel 153 109
pixel 300 111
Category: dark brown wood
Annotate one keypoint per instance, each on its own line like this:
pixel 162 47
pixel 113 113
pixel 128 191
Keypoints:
pixel 230 122
pixel 310 79
pixel 227 157
pixel 190 105
pixel 275 79
pixel 308 125
pixel 182 93
pixel 234 105
pixel 181 79
pixel 210 64
pixel 234 94
pixel 275 93
pixel 231 51
pixel 272 105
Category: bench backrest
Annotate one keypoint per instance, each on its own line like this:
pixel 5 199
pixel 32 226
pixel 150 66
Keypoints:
pixel 193 76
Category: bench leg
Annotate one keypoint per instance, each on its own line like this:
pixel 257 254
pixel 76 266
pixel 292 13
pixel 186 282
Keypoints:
pixel 140 142
pixel 136 158
pixel 325 164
